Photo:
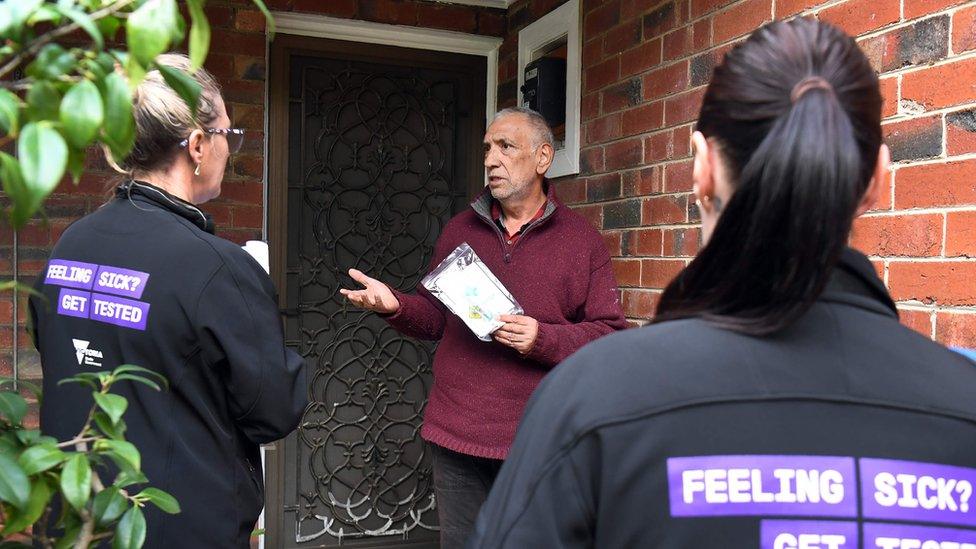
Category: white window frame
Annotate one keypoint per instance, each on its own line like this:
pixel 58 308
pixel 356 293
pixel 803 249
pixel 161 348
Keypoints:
pixel 564 21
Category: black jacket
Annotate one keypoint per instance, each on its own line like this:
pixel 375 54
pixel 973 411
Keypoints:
pixel 144 281
pixel 684 435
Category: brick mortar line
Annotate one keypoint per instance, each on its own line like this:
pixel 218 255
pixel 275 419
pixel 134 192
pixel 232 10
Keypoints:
pixel 957 309
pixel 945 232
pixel 930 161
pixel 919 211
pixel 621 199
pixel 965 56
pixel 666 227
pixel 900 117
pixel 931 259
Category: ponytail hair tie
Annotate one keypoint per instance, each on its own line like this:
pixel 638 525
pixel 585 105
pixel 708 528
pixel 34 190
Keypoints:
pixel 810 83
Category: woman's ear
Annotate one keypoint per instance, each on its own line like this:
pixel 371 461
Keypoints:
pixel 195 147
pixel 703 172
pixel 877 183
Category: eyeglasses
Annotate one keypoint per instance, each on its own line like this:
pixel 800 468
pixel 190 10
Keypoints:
pixel 235 138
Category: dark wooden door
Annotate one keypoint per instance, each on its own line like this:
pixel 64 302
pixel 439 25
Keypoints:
pixel 374 149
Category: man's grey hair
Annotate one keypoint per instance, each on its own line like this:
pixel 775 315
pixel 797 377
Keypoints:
pixel 541 132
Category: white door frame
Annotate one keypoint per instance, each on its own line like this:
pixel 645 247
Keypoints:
pixel 350 30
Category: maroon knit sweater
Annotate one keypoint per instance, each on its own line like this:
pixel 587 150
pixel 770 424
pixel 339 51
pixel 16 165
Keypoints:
pixel 559 271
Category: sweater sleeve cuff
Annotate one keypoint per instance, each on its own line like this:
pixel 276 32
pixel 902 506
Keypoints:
pixel 544 351
pixel 399 316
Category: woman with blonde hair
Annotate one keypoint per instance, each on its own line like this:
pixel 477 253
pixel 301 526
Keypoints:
pixel 144 281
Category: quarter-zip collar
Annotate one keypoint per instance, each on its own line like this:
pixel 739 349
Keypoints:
pixel 482 207
pixel 146 192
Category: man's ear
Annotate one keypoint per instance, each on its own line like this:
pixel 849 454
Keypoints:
pixel 544 156
pixel 877 183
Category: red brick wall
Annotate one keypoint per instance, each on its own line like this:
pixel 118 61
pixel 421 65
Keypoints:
pixel 237 59
pixel 645 66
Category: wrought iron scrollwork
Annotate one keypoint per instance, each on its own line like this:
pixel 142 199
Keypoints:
pixel 376 189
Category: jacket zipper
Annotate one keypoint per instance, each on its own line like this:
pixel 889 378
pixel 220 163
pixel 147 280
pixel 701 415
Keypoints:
pixel 253 474
pixel 509 248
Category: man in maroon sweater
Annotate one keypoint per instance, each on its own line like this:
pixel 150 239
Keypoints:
pixel 557 267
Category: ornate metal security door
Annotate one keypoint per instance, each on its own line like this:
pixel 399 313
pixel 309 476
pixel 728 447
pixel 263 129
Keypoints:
pixel 383 148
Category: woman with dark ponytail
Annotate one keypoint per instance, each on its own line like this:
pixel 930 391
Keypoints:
pixel 776 381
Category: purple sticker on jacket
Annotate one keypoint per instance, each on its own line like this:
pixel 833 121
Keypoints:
pixel 905 536
pixel 911 490
pixel 807 534
pixel 74 303
pixel 119 281
pixel 123 312
pixel 762 485
pixel 71 274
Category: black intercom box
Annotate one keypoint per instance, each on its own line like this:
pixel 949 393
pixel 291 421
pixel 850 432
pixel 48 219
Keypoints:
pixel 544 90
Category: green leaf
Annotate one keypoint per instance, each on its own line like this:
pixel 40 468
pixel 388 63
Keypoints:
pixel 109 505
pixel 114 405
pixel 51 62
pixel 139 370
pixel 149 30
pixel 82 113
pixel 7 380
pixel 109 26
pixel 9 112
pixel 267 16
pixel 6 19
pixel 183 84
pixel 105 60
pixel 27 437
pixel 87 379
pixel 67 540
pixel 20 10
pixel 120 449
pixel 199 34
pixel 42 101
pixel 76 164
pixel 12 406
pixel 128 478
pixel 76 481
pixel 14 486
pixel 13 184
pixel 44 14
pixel 43 158
pixel 161 499
pixel 40 458
pixel 120 126
pixel 114 430
pixel 136 73
pixel 40 495
pixel 131 531
pixel 86 23
pixel 138 379
pixel 9 444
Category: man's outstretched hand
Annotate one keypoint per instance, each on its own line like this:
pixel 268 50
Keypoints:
pixel 375 296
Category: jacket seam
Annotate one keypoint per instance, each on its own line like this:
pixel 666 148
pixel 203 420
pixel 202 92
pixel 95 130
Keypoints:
pixel 257 398
pixel 564 457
